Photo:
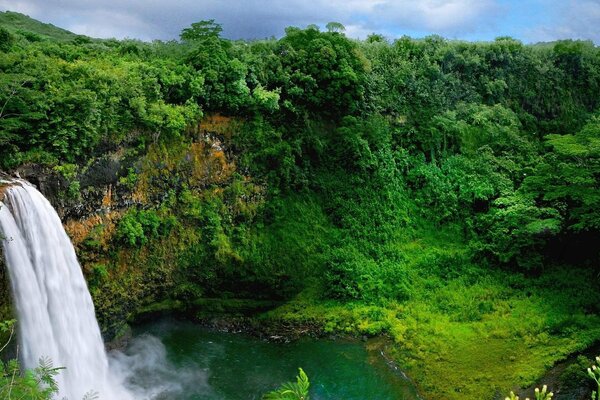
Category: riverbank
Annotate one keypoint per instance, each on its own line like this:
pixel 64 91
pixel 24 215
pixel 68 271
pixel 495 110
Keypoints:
pixel 222 319
pixel 483 358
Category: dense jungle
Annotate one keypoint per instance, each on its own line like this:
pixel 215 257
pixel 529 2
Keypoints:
pixel 440 193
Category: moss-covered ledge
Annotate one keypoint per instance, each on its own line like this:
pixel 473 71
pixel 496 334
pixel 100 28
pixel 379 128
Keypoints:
pixel 226 314
pixel 203 308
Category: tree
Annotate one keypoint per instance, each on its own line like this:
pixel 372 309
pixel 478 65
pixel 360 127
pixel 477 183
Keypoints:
pixel 170 120
pixel 569 177
pixel 201 30
pixel 6 40
pixel 335 27
pixel 375 38
pixel 321 72
pixel 515 231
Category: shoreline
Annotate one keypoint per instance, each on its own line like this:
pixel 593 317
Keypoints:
pixel 251 317
pixel 273 330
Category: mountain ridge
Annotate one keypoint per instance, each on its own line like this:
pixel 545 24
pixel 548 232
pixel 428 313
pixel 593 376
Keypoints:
pixel 20 23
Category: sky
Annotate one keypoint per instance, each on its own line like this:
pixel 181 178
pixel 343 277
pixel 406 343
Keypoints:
pixel 527 20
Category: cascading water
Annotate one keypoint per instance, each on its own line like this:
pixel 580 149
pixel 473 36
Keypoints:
pixel 55 310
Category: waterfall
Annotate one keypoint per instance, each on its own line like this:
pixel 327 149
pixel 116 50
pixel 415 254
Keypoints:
pixel 54 307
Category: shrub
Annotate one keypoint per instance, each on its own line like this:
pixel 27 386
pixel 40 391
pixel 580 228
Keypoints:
pixel 137 227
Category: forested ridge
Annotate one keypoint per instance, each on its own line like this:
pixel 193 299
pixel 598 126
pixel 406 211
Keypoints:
pixel 444 193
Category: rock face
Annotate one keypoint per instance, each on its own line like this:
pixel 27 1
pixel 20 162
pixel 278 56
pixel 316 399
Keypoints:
pixel 55 188
pixel 98 182
pixel 127 191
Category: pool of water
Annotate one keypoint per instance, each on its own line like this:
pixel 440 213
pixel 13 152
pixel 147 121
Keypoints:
pixel 182 361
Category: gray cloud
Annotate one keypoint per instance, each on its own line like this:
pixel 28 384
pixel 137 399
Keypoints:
pixel 152 19
pixel 250 19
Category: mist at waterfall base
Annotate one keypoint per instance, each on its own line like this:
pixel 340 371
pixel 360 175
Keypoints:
pixel 172 360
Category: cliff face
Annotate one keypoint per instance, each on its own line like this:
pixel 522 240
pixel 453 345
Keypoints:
pixel 150 224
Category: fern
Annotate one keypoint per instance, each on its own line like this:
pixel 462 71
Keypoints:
pixel 29 384
pixel 46 373
pixel 291 390
pixel 37 384
pixel 7 326
pixel 91 395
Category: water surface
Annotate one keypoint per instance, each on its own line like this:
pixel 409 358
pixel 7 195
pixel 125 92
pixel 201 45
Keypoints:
pixel 184 361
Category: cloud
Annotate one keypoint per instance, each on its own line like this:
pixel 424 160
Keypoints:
pixel 252 19
pixel 439 16
pixel 150 19
pixel 111 24
pixel 573 20
pixel 22 6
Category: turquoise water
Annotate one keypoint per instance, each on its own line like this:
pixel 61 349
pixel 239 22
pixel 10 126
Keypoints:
pixel 190 362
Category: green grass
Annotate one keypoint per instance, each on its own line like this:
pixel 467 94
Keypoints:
pixel 465 332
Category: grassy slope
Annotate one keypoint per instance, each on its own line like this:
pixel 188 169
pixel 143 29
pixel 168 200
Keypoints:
pixel 465 332
pixel 14 21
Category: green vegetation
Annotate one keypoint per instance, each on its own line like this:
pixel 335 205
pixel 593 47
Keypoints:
pixel 539 394
pixel 440 192
pixel 291 390
pixel 35 30
pixel 38 384
pixel 594 373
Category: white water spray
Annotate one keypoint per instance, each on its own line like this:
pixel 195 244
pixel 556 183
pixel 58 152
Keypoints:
pixel 55 310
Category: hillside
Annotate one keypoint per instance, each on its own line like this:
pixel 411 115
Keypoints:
pixel 19 23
